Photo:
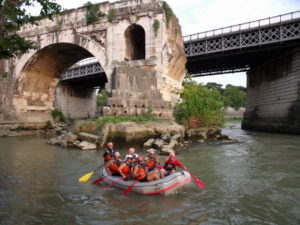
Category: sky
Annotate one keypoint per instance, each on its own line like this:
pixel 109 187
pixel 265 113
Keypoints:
pixel 202 15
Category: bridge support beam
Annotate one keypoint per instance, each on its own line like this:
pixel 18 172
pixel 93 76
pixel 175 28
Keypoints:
pixel 273 98
pixel 75 102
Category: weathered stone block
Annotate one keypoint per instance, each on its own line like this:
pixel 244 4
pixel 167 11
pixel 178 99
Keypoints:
pixel 88 137
pixel 149 143
pixel 84 145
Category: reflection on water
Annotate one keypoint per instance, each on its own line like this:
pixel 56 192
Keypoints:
pixel 255 181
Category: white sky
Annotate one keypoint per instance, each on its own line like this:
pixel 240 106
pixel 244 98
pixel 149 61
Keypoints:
pixel 202 15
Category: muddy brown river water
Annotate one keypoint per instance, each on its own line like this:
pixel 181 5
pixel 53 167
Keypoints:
pixel 256 181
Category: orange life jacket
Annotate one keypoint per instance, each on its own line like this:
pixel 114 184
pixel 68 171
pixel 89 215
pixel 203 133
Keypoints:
pixel 126 170
pixel 114 168
pixel 142 172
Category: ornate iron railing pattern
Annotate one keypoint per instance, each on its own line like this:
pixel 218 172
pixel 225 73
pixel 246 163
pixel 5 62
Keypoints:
pixel 244 35
pixel 244 26
pixel 81 70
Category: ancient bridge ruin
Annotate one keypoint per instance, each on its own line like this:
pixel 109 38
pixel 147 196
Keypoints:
pixel 140 51
pixel 267 49
pixel 140 59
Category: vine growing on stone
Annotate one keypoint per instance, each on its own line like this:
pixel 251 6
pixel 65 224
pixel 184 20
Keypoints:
pixel 168 12
pixel 111 15
pixel 93 13
pixel 156 26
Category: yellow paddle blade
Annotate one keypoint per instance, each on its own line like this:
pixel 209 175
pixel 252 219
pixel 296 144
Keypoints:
pixel 86 177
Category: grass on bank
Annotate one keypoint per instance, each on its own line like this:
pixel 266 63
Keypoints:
pixel 95 125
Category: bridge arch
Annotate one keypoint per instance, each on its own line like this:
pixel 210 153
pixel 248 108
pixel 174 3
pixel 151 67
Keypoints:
pixel 135 38
pixel 38 74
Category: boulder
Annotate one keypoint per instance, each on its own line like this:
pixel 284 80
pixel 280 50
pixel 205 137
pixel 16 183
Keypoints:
pixel 84 145
pixel 152 149
pixel 88 137
pixel 158 143
pixel 77 144
pixel 53 141
pixel 70 137
pixel 149 143
pixel 64 143
pixel 173 143
pixel 131 132
pixel 165 137
pixel 166 150
pixel 177 137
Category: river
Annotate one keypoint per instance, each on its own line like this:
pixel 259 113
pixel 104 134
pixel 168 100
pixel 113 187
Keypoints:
pixel 256 181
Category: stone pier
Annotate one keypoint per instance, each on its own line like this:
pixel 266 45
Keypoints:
pixel 273 98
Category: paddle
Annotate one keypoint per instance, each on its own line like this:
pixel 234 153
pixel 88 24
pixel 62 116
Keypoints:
pixel 87 176
pixel 112 184
pixel 198 182
pixel 99 180
pixel 130 187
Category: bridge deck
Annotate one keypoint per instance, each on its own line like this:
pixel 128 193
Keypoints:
pixel 228 49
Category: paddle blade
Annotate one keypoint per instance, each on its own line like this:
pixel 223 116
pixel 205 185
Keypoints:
pixel 86 177
pixel 199 183
pixel 130 187
pixel 99 180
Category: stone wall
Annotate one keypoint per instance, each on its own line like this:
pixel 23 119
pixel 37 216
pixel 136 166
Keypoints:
pixel 75 102
pixel 135 92
pixel 273 95
pixel 67 39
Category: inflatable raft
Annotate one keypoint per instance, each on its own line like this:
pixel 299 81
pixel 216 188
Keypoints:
pixel 166 186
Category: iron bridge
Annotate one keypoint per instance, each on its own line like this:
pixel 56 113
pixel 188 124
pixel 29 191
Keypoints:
pixel 225 50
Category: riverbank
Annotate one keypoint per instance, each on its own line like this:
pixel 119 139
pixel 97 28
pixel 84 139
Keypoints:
pixel 141 132
pixel 162 136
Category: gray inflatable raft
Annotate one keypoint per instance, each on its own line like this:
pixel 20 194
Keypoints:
pixel 166 186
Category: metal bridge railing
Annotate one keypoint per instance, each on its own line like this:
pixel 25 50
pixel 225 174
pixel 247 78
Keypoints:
pixel 244 26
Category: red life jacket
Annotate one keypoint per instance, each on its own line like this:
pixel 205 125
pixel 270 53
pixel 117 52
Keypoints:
pixel 169 165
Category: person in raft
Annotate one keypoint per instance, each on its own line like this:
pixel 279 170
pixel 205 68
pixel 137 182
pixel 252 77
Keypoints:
pixel 153 166
pixel 170 165
pixel 108 152
pixel 125 168
pixel 131 151
pixel 140 170
pixel 113 164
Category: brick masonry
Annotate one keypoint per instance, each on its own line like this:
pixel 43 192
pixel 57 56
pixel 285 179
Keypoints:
pixel 273 95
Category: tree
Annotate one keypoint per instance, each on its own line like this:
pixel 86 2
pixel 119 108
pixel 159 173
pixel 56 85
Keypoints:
pixel 200 106
pixel 211 85
pixel 234 97
pixel 13 15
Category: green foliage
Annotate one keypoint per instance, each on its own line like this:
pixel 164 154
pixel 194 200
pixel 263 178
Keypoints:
pixel 102 98
pixel 168 12
pixel 4 75
pixel 111 15
pixel 200 107
pixel 234 97
pixel 13 15
pixel 58 115
pixel 156 26
pixel 48 125
pixel 95 126
pixel 92 13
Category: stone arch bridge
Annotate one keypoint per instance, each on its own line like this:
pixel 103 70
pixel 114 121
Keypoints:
pixel 143 64
pixel 141 58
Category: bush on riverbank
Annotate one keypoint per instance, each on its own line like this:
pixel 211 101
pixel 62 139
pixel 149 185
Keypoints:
pixel 95 126
pixel 200 107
